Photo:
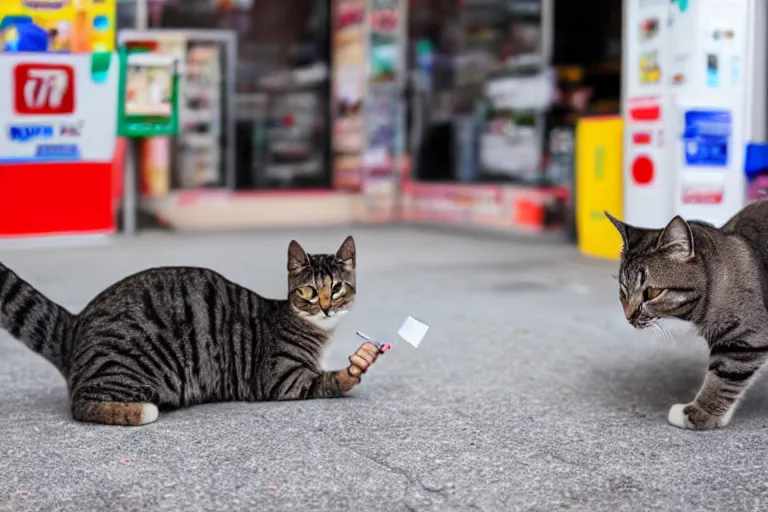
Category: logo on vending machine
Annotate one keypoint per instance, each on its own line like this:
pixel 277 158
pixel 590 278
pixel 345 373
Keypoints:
pixel 44 89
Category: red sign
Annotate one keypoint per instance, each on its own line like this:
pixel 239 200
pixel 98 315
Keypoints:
pixel 641 138
pixel 644 109
pixel 44 89
pixel 703 195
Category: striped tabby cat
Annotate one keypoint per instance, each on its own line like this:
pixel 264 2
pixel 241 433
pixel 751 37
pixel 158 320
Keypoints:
pixel 716 278
pixel 173 337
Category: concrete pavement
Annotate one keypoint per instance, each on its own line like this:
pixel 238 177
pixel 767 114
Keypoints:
pixel 530 393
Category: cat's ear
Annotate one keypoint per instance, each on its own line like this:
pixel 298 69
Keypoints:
pixel 677 239
pixel 297 257
pixel 621 227
pixel 346 252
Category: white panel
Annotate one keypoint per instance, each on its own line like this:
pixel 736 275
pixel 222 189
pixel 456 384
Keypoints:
pixel 648 183
pixel 67 113
pixel 714 35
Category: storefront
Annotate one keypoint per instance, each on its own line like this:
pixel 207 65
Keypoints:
pixel 495 91
pixel 374 101
pixel 433 109
pixel 280 130
pixel 255 141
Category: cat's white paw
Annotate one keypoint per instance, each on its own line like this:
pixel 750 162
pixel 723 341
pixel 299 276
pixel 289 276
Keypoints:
pixel 677 416
pixel 726 419
pixel 149 414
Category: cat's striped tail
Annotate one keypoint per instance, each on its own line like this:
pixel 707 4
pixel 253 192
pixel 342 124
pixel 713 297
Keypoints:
pixel 34 319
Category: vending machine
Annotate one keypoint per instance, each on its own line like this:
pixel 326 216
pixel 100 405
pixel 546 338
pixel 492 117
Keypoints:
pixel 694 98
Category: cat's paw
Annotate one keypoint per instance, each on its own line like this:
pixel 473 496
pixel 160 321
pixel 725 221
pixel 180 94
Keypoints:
pixel 677 416
pixel 359 362
pixel 691 416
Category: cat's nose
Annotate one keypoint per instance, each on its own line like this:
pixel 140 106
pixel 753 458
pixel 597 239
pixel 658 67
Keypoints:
pixel 629 309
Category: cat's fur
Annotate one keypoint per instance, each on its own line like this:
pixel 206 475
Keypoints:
pixel 173 337
pixel 716 278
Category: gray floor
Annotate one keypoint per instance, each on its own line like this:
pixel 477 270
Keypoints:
pixel 531 393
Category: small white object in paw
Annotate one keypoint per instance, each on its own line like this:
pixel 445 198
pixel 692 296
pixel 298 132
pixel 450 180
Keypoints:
pixel 677 416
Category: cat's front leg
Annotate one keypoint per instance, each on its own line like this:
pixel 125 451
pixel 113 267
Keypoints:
pixel 729 375
pixel 299 382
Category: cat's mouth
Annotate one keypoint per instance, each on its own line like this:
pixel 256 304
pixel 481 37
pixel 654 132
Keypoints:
pixel 642 323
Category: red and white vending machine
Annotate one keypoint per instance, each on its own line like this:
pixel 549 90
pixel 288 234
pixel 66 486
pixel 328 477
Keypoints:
pixel 694 97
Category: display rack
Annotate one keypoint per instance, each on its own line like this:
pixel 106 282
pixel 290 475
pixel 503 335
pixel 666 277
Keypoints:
pixel 201 113
pixel 203 153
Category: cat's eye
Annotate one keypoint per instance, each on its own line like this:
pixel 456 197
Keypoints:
pixel 337 288
pixel 306 292
pixel 652 293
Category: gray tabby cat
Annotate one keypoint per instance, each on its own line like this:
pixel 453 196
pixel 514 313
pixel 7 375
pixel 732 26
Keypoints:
pixel 718 280
pixel 173 337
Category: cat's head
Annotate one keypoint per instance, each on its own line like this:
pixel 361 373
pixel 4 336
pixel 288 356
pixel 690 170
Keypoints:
pixel 660 274
pixel 321 287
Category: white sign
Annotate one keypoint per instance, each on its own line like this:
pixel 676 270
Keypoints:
pixel 58 110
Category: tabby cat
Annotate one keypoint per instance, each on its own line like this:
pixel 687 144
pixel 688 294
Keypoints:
pixel 715 278
pixel 173 337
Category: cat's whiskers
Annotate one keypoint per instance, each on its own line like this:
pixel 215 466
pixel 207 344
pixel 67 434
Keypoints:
pixel 662 334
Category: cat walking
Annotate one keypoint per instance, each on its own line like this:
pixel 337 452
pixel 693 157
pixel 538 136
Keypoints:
pixel 715 278
pixel 173 337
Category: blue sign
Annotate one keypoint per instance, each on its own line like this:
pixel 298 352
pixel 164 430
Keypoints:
pixel 58 151
pixel 706 137
pixel 756 160
pixel 28 132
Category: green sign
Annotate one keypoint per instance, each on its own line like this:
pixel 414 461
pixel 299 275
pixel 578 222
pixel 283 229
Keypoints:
pixel 148 103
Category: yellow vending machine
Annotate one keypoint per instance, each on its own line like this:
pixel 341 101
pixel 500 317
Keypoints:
pixel 599 142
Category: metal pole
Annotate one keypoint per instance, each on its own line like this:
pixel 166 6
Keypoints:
pixel 141 15
pixel 129 187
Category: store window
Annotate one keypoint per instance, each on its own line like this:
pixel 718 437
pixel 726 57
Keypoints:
pixel 489 88
pixel 282 136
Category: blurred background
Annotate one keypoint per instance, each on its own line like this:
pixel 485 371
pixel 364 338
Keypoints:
pixel 523 116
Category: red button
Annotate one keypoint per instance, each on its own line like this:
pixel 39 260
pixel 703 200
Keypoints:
pixel 642 170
